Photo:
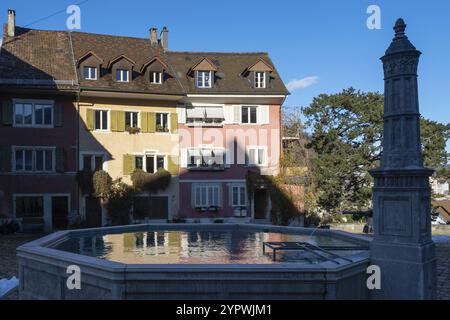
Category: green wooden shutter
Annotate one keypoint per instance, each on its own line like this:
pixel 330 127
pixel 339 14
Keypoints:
pixel 144 122
pixel 121 121
pixel 5 159
pixel 127 164
pixel 60 159
pixel 7 112
pixel 58 114
pixel 114 118
pixel 151 122
pixel 174 122
pixel 173 165
pixel 90 119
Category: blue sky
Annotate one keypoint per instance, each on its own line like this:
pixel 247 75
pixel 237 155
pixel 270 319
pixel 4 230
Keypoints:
pixel 323 43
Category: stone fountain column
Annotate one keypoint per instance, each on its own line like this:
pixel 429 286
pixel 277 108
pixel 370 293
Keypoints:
pixel 402 245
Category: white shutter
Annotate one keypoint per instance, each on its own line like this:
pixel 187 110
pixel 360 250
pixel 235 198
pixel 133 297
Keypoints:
pixel 228 113
pixel 183 158
pixel 263 115
pixel 237 114
pixel 181 111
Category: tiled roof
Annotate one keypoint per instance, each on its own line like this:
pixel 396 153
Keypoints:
pixel 38 57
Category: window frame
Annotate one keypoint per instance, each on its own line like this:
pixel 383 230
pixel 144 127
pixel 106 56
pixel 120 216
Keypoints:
pixel 90 68
pixel 93 155
pixel 34 150
pixel 203 83
pixel 108 120
pixel 257 149
pixel 239 196
pixel 45 103
pixel 249 115
pixel 200 149
pixel 152 76
pixel 161 116
pixel 138 118
pixel 120 75
pixel 155 155
pixel 207 187
pixel 260 83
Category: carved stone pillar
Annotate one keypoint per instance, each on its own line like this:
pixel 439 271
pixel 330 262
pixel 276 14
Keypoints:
pixel 402 245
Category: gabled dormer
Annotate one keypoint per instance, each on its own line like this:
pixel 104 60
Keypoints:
pixel 154 71
pixel 259 74
pixel 204 73
pixel 121 68
pixel 89 66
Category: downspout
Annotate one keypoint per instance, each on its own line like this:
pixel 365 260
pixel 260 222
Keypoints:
pixel 77 137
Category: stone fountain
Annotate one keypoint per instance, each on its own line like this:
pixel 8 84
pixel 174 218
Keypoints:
pixel 402 245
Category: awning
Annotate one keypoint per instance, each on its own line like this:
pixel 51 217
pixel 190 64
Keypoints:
pixel 195 113
pixel 194 153
pixel 214 113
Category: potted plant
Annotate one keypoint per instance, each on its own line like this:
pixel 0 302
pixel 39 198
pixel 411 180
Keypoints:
pixel 133 130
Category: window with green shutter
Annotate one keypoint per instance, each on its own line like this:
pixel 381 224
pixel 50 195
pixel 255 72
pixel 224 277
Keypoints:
pixel 173 165
pixel 90 119
pixel 117 121
pixel 173 122
pixel 151 122
pixel 144 122
pixel 58 114
pixel 128 164
pixel 60 160
pixel 5 159
pixel 7 112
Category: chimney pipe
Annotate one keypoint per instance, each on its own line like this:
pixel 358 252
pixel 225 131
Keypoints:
pixel 153 37
pixel 165 39
pixel 11 23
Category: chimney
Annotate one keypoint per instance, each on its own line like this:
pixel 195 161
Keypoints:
pixel 153 37
pixel 165 39
pixel 11 23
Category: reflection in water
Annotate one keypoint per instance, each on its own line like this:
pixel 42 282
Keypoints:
pixel 195 247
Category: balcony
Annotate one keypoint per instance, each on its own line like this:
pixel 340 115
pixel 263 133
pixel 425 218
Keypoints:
pixel 206 160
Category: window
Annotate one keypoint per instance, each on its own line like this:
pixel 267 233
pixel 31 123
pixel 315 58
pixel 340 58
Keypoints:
pixel 101 120
pixel 139 162
pixel 238 196
pixel 155 77
pixel 33 114
pixel 131 119
pixel 256 156
pixel 249 115
pixel 206 195
pixel 203 79
pixel 93 162
pixel 122 75
pixel 260 80
pixel 29 207
pixel 162 122
pixel 206 158
pixel 205 116
pixel 34 160
pixel 90 73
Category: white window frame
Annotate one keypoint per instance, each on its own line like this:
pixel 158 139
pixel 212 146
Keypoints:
pixel 200 149
pixel 93 154
pixel 121 73
pixel 208 202
pixel 108 113
pixel 249 107
pixel 90 73
pixel 153 77
pixel 33 104
pixel 239 199
pixel 200 81
pixel 138 124
pixel 260 82
pixel 152 153
pixel 33 150
pixel 248 162
pixel 161 113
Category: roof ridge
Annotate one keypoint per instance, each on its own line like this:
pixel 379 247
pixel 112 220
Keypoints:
pixel 217 52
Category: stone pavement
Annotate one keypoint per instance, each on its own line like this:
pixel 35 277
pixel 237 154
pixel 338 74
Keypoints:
pixel 443 271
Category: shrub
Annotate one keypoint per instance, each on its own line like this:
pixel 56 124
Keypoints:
pixel 152 183
pixel 119 202
pixel 101 182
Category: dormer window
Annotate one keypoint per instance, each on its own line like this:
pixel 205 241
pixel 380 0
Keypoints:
pixel 203 79
pixel 155 77
pixel 122 75
pixel 260 80
pixel 90 73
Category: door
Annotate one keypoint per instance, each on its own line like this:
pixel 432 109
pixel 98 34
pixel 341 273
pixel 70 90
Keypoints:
pixel 261 202
pixel 60 212
pixel 93 212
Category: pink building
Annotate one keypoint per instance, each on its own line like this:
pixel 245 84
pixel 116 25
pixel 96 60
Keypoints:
pixel 229 124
